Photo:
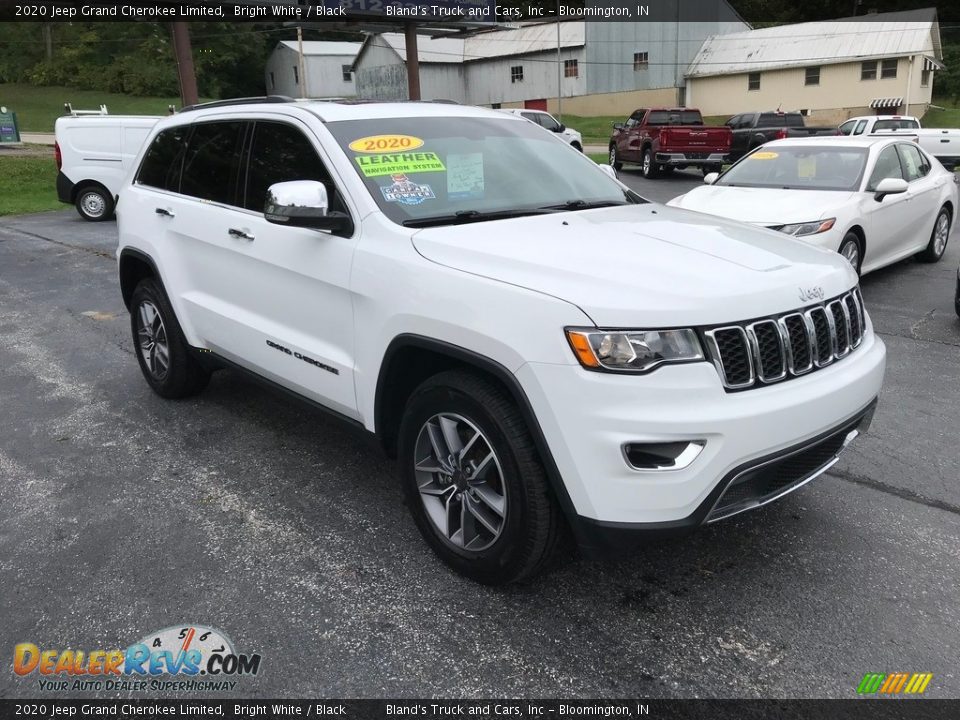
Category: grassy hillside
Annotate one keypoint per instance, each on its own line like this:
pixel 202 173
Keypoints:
pixel 38 107
pixel 949 117
pixel 27 184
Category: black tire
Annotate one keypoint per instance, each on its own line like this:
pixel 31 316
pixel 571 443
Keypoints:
pixel 576 146
pixel 956 297
pixel 647 164
pixel 937 245
pixel 184 375
pixel 531 523
pixel 615 158
pixel 851 246
pixel 94 203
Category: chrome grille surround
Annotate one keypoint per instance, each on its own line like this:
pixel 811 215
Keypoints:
pixel 769 350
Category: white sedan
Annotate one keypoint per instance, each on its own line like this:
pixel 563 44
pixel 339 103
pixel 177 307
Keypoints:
pixel 875 201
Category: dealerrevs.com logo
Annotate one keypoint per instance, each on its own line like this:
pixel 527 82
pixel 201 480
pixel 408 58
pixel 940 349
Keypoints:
pixel 183 658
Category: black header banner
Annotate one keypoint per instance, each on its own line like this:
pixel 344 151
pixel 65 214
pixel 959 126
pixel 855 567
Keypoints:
pixel 460 13
pixel 864 709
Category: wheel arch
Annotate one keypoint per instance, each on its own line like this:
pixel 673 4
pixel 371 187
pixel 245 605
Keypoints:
pixel 84 184
pixel 410 359
pixel 861 236
pixel 135 266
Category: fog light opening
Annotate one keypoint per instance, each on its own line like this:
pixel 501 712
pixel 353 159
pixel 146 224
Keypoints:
pixel 662 455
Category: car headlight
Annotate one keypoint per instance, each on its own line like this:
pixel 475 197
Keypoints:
pixel 808 228
pixel 633 350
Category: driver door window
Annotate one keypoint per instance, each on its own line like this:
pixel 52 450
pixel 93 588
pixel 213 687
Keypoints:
pixel 888 166
pixel 914 165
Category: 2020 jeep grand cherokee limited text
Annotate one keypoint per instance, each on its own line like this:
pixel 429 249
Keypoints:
pixel 540 348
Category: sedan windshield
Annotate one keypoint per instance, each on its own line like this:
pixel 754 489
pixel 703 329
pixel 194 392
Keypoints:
pixel 799 167
pixel 425 171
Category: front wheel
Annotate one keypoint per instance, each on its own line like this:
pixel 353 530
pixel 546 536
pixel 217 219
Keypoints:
pixel 850 249
pixel 161 348
pixel 938 238
pixel 474 482
pixel 615 158
pixel 94 203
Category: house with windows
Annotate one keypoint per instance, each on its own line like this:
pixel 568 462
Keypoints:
pixel 604 67
pixel 326 69
pixel 829 70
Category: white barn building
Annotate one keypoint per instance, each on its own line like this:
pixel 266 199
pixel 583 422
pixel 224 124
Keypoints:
pixel 327 69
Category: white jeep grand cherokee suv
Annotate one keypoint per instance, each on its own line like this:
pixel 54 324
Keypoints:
pixel 543 350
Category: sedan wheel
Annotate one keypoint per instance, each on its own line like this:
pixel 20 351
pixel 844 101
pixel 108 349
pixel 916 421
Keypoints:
pixel 938 238
pixel 850 249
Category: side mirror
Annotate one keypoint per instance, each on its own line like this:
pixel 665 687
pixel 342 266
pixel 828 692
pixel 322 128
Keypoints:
pixel 889 186
pixel 609 170
pixel 618 126
pixel 304 203
pixel 710 178
pixel 560 128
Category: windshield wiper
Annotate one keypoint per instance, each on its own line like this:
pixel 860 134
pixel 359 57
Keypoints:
pixel 462 217
pixel 585 205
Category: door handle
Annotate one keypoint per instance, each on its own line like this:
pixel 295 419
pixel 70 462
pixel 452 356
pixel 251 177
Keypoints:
pixel 164 211
pixel 242 234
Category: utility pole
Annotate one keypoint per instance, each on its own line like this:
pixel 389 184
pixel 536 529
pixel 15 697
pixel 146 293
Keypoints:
pixel 559 70
pixel 184 56
pixel 413 61
pixel 303 67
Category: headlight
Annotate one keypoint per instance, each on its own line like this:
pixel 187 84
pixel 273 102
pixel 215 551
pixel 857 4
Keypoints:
pixel 633 350
pixel 808 228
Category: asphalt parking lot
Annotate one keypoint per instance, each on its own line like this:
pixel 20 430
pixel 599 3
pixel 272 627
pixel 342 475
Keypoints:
pixel 123 514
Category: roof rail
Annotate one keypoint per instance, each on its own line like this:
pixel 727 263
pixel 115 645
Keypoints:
pixel 68 110
pixel 238 101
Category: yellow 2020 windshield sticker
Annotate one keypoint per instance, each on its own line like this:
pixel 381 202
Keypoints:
pixel 386 143
pixel 399 163
pixel 764 155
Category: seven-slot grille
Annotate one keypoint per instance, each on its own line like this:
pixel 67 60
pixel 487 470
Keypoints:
pixel 773 349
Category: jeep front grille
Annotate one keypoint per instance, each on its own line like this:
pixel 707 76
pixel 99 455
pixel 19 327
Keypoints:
pixel 769 350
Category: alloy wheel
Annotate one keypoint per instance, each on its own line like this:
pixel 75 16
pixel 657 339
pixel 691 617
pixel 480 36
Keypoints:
pixel 851 251
pixel 152 338
pixel 940 233
pixel 460 481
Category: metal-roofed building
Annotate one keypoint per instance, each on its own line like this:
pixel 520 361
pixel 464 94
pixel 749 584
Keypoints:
pixel 835 69
pixel 326 69
pixel 604 67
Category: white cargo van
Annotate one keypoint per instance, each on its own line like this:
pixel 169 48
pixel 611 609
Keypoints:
pixel 94 153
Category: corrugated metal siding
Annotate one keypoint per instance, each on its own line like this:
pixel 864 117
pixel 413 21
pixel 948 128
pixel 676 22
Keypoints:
pixel 670 48
pixel 489 82
pixel 324 74
pixel 818 43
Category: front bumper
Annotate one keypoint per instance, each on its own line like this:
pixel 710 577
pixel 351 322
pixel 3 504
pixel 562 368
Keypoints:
pixel 588 417
pixel 691 158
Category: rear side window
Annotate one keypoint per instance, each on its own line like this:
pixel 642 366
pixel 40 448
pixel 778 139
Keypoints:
pixel 162 162
pixel 212 162
pixel 279 153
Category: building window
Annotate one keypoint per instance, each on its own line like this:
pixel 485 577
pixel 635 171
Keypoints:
pixel 516 73
pixel 347 75
pixel 753 81
pixel 812 76
pixel 888 69
pixel 273 82
pixel 868 70
pixel 570 68
pixel 640 60
pixel 924 78
pixel 296 75
pixel 495 106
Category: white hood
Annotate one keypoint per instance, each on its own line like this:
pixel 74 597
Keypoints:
pixel 763 206
pixel 643 265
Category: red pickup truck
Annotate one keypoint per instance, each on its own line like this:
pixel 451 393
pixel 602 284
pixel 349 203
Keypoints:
pixel 661 139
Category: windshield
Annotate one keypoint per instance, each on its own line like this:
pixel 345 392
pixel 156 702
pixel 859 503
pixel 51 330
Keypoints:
pixel 467 169
pixel 798 167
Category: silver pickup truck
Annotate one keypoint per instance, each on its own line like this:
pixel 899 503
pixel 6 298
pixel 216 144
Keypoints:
pixel 942 143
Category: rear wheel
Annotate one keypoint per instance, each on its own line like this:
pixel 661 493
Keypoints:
pixel 94 203
pixel 162 350
pixel 474 482
pixel 647 166
pixel 852 250
pixel 938 238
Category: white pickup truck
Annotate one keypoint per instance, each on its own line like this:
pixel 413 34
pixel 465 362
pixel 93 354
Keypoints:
pixel 942 143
